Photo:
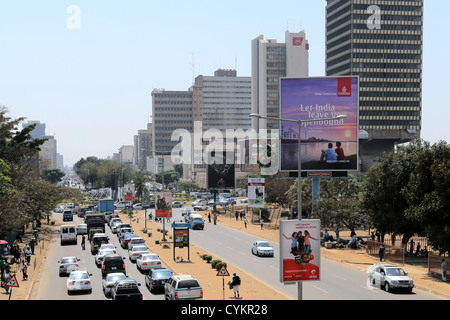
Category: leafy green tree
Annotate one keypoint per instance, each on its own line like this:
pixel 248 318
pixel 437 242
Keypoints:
pixel 187 186
pixel 140 188
pixel 408 192
pixel 167 177
pixel 53 175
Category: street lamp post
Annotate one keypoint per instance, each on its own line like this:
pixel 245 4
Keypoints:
pixel 299 168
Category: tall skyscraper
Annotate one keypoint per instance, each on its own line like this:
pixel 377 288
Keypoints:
pixel 270 61
pixel 381 41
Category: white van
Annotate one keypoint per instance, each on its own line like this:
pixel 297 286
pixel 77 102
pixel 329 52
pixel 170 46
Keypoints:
pixel 68 233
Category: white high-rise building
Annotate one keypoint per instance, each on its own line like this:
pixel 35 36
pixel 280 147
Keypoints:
pixel 271 61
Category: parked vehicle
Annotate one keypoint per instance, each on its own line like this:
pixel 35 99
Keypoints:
pixel 67 265
pixel 177 204
pixel 126 290
pixel 138 206
pixel 79 281
pixel 182 287
pixel 390 277
pixel 262 248
pixel 156 278
pixel 123 205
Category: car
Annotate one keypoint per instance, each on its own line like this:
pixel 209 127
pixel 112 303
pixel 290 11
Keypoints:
pixel 136 251
pixel 231 201
pixel 79 280
pixel 147 261
pixel 97 240
pixel 156 278
pixel 82 228
pixel 113 263
pixel 262 248
pixel 125 238
pixel 177 204
pixel 67 215
pixel 199 202
pixel 101 254
pixel 182 287
pixel 110 217
pixel 185 212
pixel 122 231
pixel 115 225
pixel 123 205
pixel 113 220
pixel 67 265
pixel 59 209
pixel 244 200
pixel 200 207
pixel 108 246
pixel 138 206
pixel 109 281
pixel 390 277
pixel 126 290
pixel 135 241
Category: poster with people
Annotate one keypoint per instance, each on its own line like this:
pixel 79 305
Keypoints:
pixel 255 192
pixel 299 250
pixel 325 144
pixel 163 204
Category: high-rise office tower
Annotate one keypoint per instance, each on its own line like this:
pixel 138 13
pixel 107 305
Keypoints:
pixel 381 42
pixel 270 61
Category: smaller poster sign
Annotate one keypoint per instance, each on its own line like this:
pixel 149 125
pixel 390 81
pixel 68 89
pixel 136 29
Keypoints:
pixel 299 250
pixel 163 204
pixel 255 192
pixel 181 237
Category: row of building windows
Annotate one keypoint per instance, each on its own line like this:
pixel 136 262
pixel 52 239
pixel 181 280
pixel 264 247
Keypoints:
pixel 172 109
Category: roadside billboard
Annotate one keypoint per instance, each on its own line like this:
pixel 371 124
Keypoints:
pixel 220 172
pixel 328 145
pixel 299 250
pixel 163 205
pixel 256 192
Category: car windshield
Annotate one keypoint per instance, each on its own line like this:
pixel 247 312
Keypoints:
pixel 115 277
pixel 395 272
pixel 198 219
pixel 69 260
pixel 150 257
pixel 139 248
pixel 79 276
pixel 264 244
pixel 163 274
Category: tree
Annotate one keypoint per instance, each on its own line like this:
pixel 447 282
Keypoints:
pixel 53 175
pixel 187 186
pixel 139 181
pixel 167 177
pixel 408 192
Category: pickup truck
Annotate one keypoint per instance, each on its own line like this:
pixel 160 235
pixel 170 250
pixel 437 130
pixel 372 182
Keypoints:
pixel 126 290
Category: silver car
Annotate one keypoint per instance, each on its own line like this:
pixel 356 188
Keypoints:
pixel 136 251
pixel 390 277
pixel 79 281
pixel 109 281
pixel 101 254
pixel 148 261
pixel 262 248
pixel 68 264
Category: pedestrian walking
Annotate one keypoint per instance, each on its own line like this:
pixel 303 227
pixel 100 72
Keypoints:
pixel 6 277
pixel 215 218
pixel 24 268
pixel 83 242
pixel 31 245
pixel 236 283
pixel 381 252
pixel 245 222
pixel 28 254
pixel 209 217
pixel 444 270
pixel 261 222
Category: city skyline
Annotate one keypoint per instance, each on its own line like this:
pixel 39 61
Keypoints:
pixel 92 85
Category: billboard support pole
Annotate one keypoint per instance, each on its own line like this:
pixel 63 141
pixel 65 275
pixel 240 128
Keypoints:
pixel 299 197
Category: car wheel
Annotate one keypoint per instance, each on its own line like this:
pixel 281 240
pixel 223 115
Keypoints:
pixel 387 288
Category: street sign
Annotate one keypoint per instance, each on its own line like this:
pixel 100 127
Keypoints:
pixel 181 225
pixel 12 282
pixel 223 272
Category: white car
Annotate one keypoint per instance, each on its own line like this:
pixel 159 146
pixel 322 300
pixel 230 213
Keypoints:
pixel 110 246
pixel 200 207
pixel 199 202
pixel 109 281
pixel 262 248
pixel 59 209
pixel 79 281
pixel 115 225
pixel 100 254
pixel 148 261
pixel 390 277
pixel 136 251
pixel 82 229
pixel 68 264
pixel 138 206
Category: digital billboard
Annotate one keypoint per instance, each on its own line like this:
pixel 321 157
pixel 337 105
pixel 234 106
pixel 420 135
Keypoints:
pixel 220 171
pixel 326 145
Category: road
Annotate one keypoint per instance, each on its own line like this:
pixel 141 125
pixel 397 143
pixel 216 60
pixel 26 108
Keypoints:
pixel 337 281
pixel 53 287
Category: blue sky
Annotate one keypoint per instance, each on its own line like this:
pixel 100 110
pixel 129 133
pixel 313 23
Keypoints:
pixel 92 86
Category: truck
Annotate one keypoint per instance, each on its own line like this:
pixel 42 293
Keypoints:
pixel 95 220
pixel 126 290
pixel 105 205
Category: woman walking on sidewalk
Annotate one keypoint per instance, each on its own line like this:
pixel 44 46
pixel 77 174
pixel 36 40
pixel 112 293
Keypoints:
pixel 24 268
